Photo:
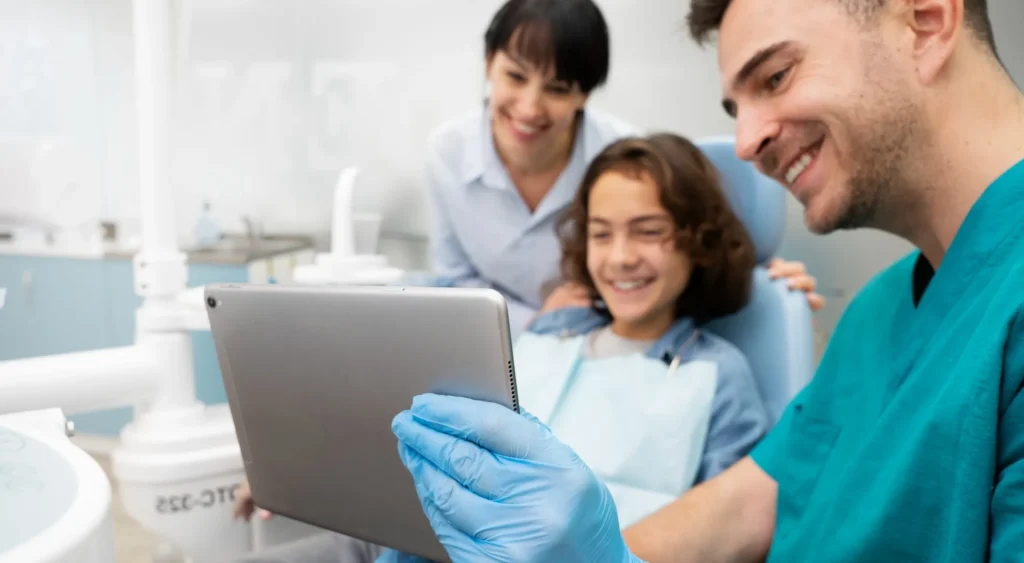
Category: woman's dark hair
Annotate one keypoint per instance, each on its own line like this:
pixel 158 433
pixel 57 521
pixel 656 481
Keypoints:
pixel 571 34
pixel 707 230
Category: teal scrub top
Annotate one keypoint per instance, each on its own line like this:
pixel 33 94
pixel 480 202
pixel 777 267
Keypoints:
pixel 908 444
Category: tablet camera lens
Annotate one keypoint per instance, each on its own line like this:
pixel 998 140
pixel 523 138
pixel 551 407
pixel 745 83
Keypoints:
pixel 211 302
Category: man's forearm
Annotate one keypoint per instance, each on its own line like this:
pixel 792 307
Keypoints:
pixel 729 519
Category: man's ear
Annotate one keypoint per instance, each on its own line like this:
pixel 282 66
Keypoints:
pixel 937 26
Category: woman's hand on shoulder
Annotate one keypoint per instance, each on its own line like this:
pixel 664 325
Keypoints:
pixel 570 294
pixel 799 280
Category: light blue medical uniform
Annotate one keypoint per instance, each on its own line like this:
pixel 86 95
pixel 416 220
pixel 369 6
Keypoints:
pixel 908 445
pixel 738 415
pixel 484 234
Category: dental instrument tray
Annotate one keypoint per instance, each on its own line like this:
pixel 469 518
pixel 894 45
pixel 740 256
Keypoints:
pixel 315 375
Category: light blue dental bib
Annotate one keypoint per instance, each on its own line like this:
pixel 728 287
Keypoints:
pixel 639 424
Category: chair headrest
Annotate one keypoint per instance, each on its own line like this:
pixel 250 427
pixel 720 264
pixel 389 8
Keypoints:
pixel 758 201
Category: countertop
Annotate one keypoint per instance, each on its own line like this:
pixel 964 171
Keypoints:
pixel 235 249
pixel 232 250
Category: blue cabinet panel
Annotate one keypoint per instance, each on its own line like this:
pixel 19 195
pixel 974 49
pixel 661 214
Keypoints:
pixel 58 305
pixel 53 306
pixel 120 303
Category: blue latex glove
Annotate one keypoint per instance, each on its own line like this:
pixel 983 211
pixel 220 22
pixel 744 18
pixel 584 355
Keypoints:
pixel 499 486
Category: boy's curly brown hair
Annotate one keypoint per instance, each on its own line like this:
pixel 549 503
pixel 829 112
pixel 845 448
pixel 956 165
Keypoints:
pixel 707 230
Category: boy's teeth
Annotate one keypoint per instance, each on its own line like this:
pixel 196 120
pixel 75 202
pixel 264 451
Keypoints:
pixel 524 128
pixel 798 168
pixel 626 286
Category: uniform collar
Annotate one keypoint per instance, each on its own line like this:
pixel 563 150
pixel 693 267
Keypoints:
pixel 480 160
pixel 671 343
pixel 576 321
pixel 992 220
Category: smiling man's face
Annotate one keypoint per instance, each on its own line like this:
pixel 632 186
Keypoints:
pixel 824 103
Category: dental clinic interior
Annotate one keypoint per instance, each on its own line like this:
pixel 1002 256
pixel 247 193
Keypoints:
pixel 149 148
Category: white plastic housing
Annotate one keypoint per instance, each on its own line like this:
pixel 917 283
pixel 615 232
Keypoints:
pixel 34 449
pixel 179 480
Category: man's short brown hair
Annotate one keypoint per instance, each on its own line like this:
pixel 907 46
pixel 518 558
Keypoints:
pixel 706 17
pixel 707 230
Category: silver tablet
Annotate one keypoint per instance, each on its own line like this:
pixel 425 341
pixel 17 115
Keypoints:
pixel 315 375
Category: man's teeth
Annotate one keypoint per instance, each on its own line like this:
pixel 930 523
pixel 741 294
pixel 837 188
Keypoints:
pixel 523 128
pixel 798 167
pixel 630 285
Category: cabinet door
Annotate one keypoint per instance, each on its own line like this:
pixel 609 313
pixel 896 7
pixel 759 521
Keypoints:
pixel 54 306
pixel 58 306
pixel 120 303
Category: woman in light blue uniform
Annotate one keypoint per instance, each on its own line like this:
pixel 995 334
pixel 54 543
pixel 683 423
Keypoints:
pixel 500 176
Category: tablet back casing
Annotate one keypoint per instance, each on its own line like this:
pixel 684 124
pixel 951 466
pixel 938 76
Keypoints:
pixel 315 375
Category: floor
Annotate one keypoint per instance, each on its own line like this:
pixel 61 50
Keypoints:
pixel 132 543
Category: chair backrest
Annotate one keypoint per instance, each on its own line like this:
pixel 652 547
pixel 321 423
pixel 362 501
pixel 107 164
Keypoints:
pixel 774 330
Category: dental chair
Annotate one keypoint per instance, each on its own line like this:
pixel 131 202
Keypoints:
pixel 774 330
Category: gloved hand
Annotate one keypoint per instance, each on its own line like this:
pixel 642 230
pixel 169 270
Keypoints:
pixel 499 486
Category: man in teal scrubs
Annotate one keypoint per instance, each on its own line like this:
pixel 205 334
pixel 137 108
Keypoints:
pixel 909 443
